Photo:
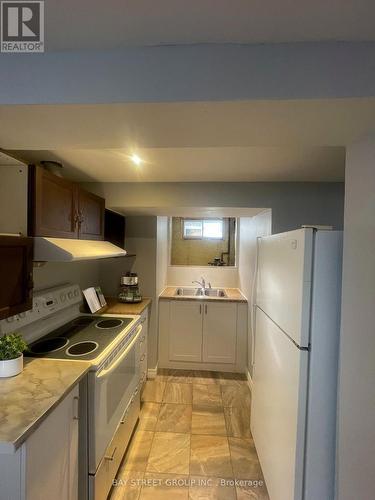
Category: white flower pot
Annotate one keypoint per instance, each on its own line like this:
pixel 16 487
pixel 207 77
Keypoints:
pixel 11 367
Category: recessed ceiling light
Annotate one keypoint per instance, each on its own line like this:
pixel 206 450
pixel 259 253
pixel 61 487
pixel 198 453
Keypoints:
pixel 136 159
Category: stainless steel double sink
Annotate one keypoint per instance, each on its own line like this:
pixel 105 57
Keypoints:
pixel 200 292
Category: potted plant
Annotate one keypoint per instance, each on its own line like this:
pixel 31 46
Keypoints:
pixel 11 358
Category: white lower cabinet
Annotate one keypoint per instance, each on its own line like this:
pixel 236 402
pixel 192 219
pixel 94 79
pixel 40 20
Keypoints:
pixel 46 465
pixel 219 332
pixel 202 334
pixel 185 331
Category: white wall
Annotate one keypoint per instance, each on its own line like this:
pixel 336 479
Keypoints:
pixel 162 253
pixel 356 405
pixel 250 228
pixel 218 276
pixel 13 199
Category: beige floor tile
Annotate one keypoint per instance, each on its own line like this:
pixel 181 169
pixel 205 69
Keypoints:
pixel 148 416
pixel 208 419
pixel 237 420
pixel 153 391
pixel 205 377
pixel 240 382
pixel 234 395
pixel 138 451
pixel 165 487
pixel 178 393
pixel 126 486
pixel 169 453
pixel 211 488
pixel 176 376
pixel 210 456
pixel 252 492
pixel 231 377
pixel 245 460
pixel 209 394
pixel 174 418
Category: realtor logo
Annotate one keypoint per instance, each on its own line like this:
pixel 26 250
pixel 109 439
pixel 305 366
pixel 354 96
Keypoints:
pixel 22 26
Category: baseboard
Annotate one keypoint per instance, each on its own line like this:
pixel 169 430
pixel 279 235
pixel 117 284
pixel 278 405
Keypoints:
pixel 249 380
pixel 152 372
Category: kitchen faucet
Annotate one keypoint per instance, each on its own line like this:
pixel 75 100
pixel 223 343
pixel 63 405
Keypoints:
pixel 202 284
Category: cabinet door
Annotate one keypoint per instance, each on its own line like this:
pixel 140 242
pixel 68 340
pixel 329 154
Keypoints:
pixel 90 216
pixel 52 210
pixel 185 331
pixel 16 271
pixel 219 332
pixel 51 454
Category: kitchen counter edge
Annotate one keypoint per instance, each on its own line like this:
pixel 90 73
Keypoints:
pixel 233 295
pixel 21 410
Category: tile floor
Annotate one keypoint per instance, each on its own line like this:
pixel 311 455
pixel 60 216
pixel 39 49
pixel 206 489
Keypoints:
pixel 192 442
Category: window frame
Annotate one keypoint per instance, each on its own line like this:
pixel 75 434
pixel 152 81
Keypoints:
pixel 202 220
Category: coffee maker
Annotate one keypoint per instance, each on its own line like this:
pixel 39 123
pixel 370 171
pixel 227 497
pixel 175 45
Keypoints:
pixel 129 289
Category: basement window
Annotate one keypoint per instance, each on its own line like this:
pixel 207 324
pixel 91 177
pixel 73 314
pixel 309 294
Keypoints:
pixel 196 229
pixel 202 241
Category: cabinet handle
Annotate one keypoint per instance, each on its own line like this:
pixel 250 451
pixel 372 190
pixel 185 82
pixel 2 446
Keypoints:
pixel 142 357
pixel 112 456
pixel 76 408
pixel 200 308
pixel 80 217
pixel 205 309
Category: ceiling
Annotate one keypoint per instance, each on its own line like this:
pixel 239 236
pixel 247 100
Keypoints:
pixel 202 164
pixel 94 24
pixel 191 211
pixel 180 142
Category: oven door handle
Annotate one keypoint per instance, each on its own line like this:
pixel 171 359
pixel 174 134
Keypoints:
pixel 113 365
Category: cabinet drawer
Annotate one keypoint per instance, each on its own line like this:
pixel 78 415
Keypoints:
pixel 102 481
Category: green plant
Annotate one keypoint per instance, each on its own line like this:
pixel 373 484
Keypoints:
pixel 11 346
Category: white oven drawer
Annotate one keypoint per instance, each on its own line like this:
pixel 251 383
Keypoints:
pixel 110 390
pixel 101 483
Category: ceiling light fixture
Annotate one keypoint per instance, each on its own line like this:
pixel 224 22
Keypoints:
pixel 136 159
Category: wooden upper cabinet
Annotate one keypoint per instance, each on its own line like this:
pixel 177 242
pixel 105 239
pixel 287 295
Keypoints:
pixel 59 208
pixel 90 216
pixel 53 210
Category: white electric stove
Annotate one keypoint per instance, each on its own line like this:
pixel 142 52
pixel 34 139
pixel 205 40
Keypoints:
pixel 56 329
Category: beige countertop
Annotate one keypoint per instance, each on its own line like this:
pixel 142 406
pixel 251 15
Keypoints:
pixel 233 295
pixel 27 398
pixel 116 307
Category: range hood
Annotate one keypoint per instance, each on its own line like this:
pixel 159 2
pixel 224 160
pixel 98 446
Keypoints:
pixel 70 250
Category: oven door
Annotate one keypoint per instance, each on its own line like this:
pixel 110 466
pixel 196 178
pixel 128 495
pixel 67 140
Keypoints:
pixel 110 391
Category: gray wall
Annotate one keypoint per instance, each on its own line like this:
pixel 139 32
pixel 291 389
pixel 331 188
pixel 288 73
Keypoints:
pixel 292 203
pixel 56 273
pixel 220 72
pixel 356 406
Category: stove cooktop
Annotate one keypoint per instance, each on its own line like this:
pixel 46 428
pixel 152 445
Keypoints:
pixel 85 337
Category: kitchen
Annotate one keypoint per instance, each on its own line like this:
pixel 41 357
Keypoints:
pixel 180 363
pixel 186 242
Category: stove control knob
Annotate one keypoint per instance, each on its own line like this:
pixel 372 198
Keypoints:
pixel 76 292
pixel 70 295
pixel 63 297
pixel 22 315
